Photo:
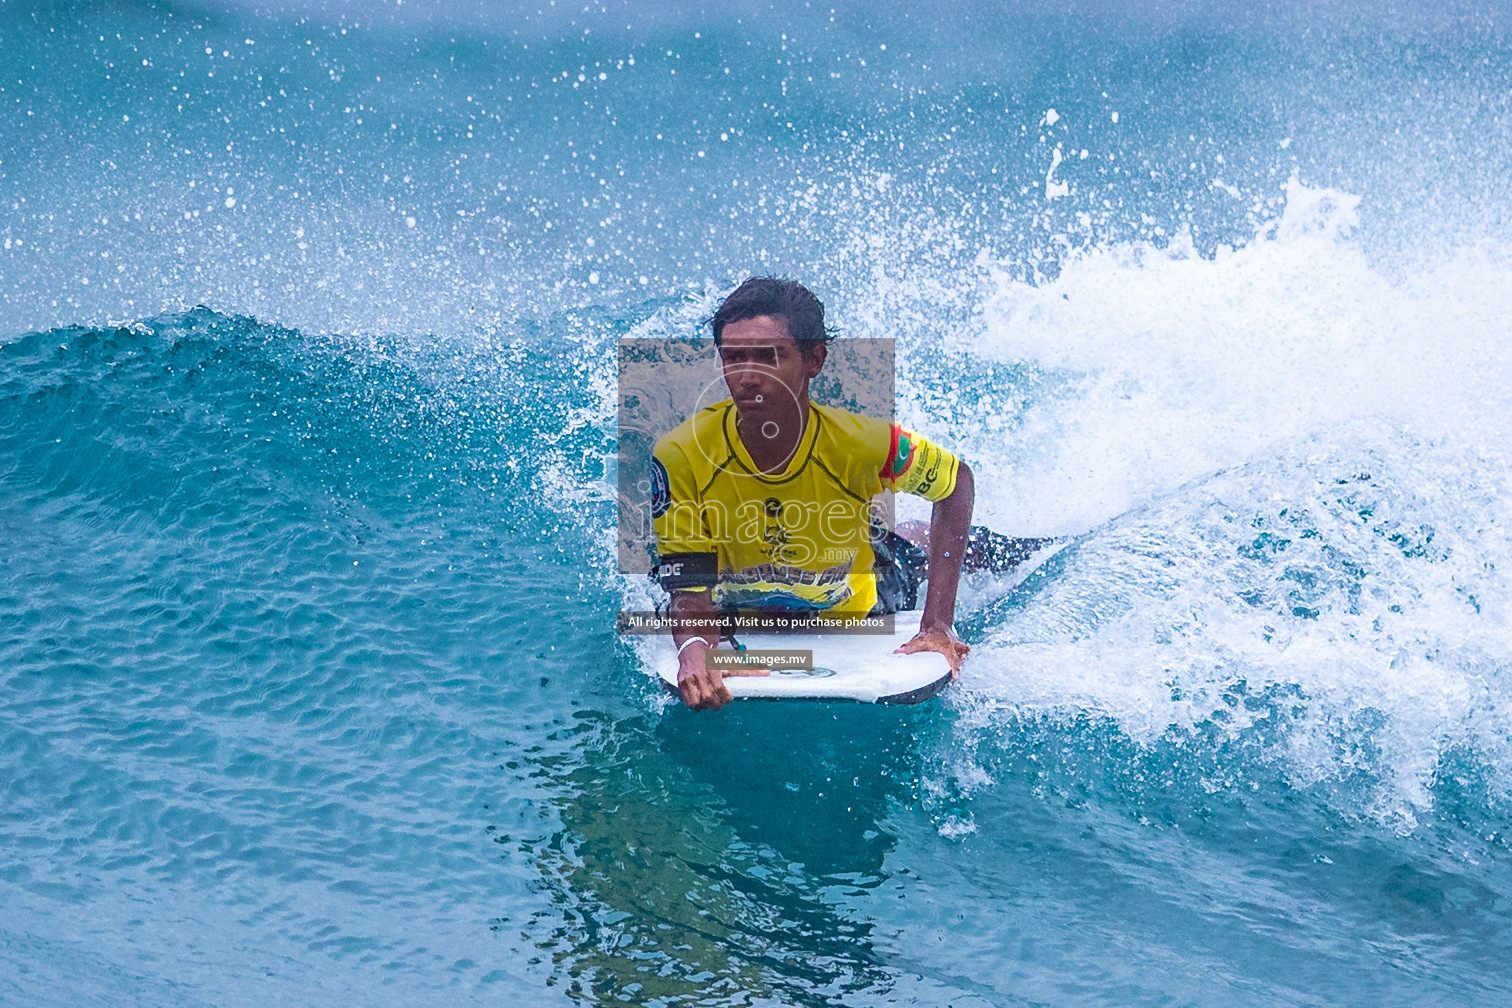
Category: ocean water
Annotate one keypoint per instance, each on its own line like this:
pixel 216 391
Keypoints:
pixel 309 691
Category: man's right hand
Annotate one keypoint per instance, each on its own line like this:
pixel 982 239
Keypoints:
pixel 701 687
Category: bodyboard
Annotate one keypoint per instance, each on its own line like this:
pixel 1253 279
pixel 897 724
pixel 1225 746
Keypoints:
pixel 861 667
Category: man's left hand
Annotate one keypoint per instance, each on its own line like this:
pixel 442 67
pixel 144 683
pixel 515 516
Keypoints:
pixel 941 639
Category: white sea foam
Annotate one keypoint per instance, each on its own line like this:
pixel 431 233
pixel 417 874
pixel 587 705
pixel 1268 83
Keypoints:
pixel 1290 478
pixel 1172 365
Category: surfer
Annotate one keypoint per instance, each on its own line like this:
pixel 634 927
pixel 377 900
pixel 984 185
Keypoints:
pixel 765 502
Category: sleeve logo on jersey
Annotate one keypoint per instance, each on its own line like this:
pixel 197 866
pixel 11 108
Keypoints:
pixel 901 456
pixel 926 484
pixel 687 570
pixel 661 488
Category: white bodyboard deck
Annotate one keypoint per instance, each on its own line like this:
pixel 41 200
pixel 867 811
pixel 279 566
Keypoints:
pixel 860 667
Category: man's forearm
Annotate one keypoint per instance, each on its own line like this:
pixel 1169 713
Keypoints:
pixel 701 687
pixel 949 526
pixel 691 607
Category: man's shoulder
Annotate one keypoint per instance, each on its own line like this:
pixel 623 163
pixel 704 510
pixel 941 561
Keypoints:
pixel 853 430
pixel 691 438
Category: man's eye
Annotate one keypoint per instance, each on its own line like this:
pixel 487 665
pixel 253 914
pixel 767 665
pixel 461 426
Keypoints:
pixel 766 357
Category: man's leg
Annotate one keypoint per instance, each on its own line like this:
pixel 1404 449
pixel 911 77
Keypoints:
pixel 900 567
pixel 985 549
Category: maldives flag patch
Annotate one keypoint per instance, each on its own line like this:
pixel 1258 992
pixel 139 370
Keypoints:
pixel 901 454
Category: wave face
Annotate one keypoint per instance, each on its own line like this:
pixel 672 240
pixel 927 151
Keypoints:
pixel 310 683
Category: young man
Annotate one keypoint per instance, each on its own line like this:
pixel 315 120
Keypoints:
pixel 764 501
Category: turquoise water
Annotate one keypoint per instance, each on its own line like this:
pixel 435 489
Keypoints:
pixel 310 690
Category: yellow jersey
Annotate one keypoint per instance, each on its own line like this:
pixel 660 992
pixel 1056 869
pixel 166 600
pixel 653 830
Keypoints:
pixel 795 540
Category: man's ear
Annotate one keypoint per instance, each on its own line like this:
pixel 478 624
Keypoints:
pixel 814 360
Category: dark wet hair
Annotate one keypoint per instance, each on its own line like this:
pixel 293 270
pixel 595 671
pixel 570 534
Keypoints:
pixel 788 300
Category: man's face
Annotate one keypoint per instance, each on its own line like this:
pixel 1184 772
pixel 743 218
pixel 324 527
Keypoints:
pixel 764 368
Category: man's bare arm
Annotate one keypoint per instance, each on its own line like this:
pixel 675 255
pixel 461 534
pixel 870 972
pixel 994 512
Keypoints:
pixel 701 687
pixel 949 525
